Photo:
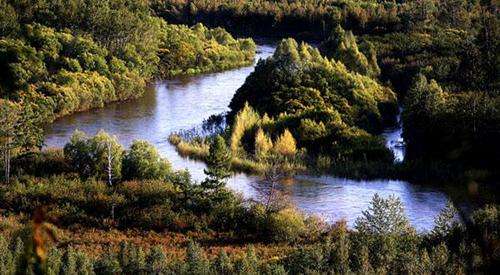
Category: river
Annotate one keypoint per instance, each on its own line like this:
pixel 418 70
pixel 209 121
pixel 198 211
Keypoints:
pixel 183 103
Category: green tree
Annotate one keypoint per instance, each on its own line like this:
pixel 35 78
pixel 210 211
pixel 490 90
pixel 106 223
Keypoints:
pixel 219 163
pixel 109 263
pixel 223 264
pixel 446 222
pixel 342 46
pixel 384 217
pixel 142 161
pixel 245 119
pixel 156 261
pixel 100 155
pixel 196 261
pixel 249 263
pixel 19 128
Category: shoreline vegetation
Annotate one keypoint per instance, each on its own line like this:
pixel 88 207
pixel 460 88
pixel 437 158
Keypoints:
pixel 339 137
pixel 56 67
pixel 95 207
pixel 148 218
pixel 439 57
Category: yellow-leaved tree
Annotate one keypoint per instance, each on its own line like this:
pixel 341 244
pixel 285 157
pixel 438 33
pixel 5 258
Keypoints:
pixel 286 145
pixel 246 118
pixel 263 144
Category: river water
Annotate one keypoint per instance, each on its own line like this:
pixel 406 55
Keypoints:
pixel 183 103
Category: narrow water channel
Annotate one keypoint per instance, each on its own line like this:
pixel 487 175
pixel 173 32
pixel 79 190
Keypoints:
pixel 183 103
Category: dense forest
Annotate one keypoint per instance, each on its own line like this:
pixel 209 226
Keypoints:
pixel 440 59
pixel 342 72
pixel 58 59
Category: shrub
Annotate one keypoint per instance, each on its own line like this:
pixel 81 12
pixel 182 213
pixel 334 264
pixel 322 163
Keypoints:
pixel 142 161
pixel 47 162
pixel 286 225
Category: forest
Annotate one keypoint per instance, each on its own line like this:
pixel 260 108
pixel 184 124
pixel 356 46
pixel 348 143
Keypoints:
pixel 342 73
pixel 441 68
pixel 54 66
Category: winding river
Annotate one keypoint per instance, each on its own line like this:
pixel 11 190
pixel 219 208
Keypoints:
pixel 183 103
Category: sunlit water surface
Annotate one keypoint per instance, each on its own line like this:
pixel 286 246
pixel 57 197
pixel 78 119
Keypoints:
pixel 183 103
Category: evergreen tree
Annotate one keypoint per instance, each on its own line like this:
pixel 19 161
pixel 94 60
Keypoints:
pixel 223 264
pixel 248 264
pixel 69 265
pixel 19 128
pixel 156 261
pixel 219 163
pixel 342 46
pixel 109 264
pixel 341 250
pixel 54 261
pixel 84 264
pixel 439 257
pixel 7 260
pixel 196 262
pixel 446 222
pixel 364 264
pixel 384 217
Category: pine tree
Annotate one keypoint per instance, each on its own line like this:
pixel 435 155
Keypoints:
pixel 109 264
pixel 19 128
pixel 54 261
pixel 446 222
pixel 249 263
pixel 341 251
pixel 84 264
pixel 384 217
pixel 156 261
pixel 219 163
pixel 425 264
pixel 7 261
pixel 223 264
pixel 364 261
pixel 69 265
pixel 342 46
pixel 274 269
pixel 196 261
pixel 246 118
pixel 440 256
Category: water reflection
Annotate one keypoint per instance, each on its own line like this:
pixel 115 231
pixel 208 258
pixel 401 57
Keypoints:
pixel 336 198
pixel 184 103
pixel 394 139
